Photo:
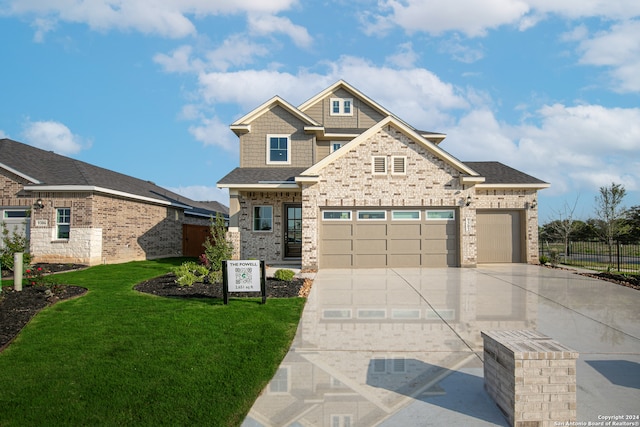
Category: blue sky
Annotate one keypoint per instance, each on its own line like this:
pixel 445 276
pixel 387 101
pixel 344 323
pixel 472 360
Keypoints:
pixel 149 87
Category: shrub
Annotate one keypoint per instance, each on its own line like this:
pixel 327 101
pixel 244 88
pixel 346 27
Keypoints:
pixel 12 243
pixel 544 259
pixel 284 275
pixel 189 273
pixel 216 247
pixel 554 257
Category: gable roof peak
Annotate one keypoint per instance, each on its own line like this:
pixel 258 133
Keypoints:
pixel 243 124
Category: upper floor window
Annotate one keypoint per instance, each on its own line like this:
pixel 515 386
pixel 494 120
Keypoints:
pixel 63 222
pixel 278 149
pixel 335 145
pixel 341 106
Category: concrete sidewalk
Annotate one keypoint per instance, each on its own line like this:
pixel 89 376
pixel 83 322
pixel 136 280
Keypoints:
pixel 402 347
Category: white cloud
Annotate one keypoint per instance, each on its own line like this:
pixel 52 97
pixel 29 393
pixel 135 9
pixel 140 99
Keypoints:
pixel 214 132
pixel 406 57
pixel 416 95
pixel 618 49
pixel 203 193
pixel 167 18
pixel 474 18
pixel 53 136
pixel 574 148
pixel 270 24
pixel 178 61
pixel 235 51
pixel 3 135
pixel 470 17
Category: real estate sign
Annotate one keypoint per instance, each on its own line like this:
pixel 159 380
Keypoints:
pixel 244 276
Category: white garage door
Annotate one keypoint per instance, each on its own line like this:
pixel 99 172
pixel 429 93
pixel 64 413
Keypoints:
pixel 499 236
pixel 388 237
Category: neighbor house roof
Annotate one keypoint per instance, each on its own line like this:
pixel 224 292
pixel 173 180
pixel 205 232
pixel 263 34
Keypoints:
pixel 497 174
pixel 48 171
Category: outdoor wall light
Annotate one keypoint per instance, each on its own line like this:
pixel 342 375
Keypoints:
pixel 468 202
pixel 534 204
pixel 38 204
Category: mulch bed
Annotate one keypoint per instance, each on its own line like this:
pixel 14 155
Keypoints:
pixel 17 308
pixel 628 281
pixel 167 287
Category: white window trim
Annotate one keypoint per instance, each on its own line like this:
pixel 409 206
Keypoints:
pixel 58 224
pixel 341 102
pixel 393 165
pixel 337 219
pixel 372 219
pixel 406 219
pixel 253 219
pixel 268 145
pixel 426 215
pixel 373 165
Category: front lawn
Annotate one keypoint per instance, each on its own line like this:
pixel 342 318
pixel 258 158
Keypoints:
pixel 119 357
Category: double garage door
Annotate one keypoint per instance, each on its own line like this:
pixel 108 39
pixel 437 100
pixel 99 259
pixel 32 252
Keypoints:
pixel 388 237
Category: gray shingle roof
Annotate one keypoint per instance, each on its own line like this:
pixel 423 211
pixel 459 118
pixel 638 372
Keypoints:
pixel 52 169
pixel 261 175
pixel 498 173
pixel 493 172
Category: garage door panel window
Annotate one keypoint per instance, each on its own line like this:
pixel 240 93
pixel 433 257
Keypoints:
pixel 372 215
pixel 263 218
pixel 336 215
pixel 405 215
pixel 448 214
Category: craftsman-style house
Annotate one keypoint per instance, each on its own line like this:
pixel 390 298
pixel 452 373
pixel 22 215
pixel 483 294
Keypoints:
pixel 341 182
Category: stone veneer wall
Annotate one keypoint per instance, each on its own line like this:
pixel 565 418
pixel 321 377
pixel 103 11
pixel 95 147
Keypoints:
pixel 262 245
pixel 349 181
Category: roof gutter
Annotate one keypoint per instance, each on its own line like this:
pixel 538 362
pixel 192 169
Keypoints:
pixel 94 189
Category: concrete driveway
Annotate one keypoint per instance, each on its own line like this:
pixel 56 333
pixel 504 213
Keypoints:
pixel 402 347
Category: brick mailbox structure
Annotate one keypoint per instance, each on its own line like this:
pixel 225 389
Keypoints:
pixel 531 377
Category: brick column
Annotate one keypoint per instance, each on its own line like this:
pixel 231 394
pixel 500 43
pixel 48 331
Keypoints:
pixel 531 377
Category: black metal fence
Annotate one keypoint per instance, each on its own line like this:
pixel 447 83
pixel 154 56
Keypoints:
pixel 596 255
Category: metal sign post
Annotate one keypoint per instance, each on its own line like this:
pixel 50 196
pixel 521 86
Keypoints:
pixel 244 276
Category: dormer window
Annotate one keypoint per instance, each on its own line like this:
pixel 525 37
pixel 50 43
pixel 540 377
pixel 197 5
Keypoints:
pixel 278 149
pixel 341 106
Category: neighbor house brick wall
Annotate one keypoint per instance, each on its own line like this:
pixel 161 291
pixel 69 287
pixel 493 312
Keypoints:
pixel 10 186
pixel 84 245
pixel 263 245
pixel 349 181
pixel 137 231
pixel 105 230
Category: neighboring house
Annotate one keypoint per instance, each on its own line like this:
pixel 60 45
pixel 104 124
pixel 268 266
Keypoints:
pixel 341 182
pixel 74 212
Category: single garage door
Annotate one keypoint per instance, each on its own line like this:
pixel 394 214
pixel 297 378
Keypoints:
pixel 499 235
pixel 388 237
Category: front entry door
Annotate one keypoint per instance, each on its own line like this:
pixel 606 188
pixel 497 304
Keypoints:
pixel 293 231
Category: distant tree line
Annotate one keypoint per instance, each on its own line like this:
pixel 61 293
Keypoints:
pixel 612 221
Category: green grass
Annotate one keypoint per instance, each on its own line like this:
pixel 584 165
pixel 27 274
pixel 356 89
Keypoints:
pixel 118 357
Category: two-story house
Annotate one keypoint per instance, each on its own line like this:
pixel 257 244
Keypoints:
pixel 341 182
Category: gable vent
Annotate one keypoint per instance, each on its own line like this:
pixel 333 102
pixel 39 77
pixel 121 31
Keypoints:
pixel 399 165
pixel 379 165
